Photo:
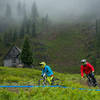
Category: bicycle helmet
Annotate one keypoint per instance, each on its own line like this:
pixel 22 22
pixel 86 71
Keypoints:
pixel 42 64
pixel 83 61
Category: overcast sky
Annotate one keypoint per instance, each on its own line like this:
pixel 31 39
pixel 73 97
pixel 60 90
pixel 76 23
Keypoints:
pixel 63 8
pixel 66 8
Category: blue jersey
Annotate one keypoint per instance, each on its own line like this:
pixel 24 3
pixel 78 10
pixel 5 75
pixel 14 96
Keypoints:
pixel 47 70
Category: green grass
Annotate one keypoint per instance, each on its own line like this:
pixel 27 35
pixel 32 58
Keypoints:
pixel 20 76
pixel 50 94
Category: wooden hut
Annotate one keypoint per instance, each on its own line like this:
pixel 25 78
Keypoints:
pixel 11 59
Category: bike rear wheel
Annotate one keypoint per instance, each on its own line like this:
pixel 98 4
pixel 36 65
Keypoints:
pixel 91 83
pixel 42 82
pixel 56 81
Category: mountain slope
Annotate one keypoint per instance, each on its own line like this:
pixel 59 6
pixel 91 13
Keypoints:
pixel 65 49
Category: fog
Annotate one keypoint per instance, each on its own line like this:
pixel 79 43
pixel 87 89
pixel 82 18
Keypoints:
pixel 58 9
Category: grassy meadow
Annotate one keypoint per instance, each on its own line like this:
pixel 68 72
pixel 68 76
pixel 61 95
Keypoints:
pixel 20 76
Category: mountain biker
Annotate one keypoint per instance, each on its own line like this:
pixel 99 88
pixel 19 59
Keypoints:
pixel 88 69
pixel 47 70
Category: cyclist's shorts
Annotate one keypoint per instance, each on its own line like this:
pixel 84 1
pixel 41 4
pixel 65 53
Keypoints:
pixel 51 75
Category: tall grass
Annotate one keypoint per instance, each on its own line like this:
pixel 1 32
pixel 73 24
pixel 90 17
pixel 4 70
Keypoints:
pixel 20 76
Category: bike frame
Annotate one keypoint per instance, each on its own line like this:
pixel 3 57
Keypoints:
pixel 55 81
pixel 90 81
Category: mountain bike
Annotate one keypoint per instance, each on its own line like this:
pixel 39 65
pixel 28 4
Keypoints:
pixel 43 81
pixel 91 82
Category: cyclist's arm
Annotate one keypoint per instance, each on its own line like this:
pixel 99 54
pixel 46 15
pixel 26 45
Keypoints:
pixel 82 74
pixel 91 67
pixel 42 72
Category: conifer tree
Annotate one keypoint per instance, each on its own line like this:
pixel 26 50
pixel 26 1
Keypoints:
pixel 19 9
pixel 33 30
pixel 34 13
pixel 25 23
pixel 8 13
pixel 14 37
pixel 26 54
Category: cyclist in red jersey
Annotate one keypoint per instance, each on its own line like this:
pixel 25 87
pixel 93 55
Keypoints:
pixel 88 69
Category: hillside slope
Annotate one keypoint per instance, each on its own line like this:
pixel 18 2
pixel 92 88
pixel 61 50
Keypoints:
pixel 65 49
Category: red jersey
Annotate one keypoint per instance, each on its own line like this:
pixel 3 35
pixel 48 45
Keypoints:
pixel 87 69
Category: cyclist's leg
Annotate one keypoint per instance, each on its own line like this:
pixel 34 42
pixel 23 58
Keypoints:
pixel 52 80
pixel 94 80
pixel 49 79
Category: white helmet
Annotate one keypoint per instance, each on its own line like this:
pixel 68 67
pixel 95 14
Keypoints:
pixel 83 61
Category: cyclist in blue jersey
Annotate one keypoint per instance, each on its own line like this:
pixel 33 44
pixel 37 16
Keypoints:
pixel 47 70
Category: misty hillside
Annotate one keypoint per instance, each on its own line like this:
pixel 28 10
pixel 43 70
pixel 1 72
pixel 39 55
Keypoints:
pixel 71 44
pixel 60 32
pixel 64 48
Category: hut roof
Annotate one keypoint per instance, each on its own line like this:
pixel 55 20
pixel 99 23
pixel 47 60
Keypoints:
pixel 14 52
